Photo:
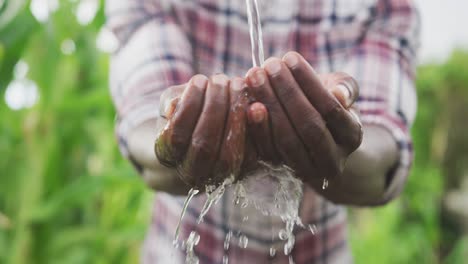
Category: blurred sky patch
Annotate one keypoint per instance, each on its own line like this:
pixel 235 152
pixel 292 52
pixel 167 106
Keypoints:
pixel 444 28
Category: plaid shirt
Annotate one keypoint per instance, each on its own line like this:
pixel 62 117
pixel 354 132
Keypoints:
pixel 164 43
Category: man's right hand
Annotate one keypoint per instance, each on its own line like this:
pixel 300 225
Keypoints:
pixel 204 135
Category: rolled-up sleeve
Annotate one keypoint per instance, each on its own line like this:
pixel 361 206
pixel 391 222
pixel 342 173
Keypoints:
pixel 153 54
pixel 384 65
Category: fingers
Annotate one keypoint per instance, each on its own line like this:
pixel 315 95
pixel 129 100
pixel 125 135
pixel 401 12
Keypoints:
pixel 306 120
pixel 232 149
pixel 207 136
pixel 175 138
pixel 345 124
pixel 332 106
pixel 259 130
pixel 287 143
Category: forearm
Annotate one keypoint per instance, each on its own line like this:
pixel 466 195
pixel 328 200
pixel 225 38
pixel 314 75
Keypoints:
pixel 158 177
pixel 364 181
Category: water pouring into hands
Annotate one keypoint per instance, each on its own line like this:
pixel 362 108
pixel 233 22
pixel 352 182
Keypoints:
pixel 297 118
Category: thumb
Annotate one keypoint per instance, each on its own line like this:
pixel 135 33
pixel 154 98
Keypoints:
pixel 260 132
pixel 342 86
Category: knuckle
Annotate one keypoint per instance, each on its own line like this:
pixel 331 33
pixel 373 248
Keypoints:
pixel 284 92
pixel 289 144
pixel 334 112
pixel 356 138
pixel 313 129
pixel 203 147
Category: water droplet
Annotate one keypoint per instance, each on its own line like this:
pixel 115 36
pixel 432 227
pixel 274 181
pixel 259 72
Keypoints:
pixel 283 234
pixel 288 247
pixel 291 260
pixel 272 252
pixel 227 240
pixel 243 241
pixel 225 259
pixel 313 229
pixel 325 184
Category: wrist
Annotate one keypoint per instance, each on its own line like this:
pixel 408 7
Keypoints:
pixel 364 179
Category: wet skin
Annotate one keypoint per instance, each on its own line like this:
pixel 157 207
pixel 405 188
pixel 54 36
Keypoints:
pixel 283 113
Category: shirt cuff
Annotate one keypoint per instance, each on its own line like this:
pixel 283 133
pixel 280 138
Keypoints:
pixel 396 177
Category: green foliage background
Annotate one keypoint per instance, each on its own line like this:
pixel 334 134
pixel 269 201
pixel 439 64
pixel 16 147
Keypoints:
pixel 67 196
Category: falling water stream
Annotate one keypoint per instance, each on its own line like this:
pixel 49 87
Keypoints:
pixel 256 37
pixel 287 190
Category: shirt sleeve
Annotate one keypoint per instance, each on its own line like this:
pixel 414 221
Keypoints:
pixel 384 65
pixel 153 54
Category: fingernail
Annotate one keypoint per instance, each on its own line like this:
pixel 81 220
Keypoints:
pixel 199 81
pixel 273 67
pixel 237 84
pixel 291 60
pixel 258 115
pixel 346 94
pixel 220 80
pixel 258 78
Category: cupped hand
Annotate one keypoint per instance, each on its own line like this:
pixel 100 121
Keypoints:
pixel 310 126
pixel 204 134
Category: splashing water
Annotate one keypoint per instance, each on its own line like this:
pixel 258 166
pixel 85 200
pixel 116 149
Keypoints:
pixel 243 241
pixel 313 229
pixel 227 240
pixel 256 38
pixel 213 194
pixel 325 184
pixel 282 199
pixel 192 241
pixel 272 252
pixel 190 196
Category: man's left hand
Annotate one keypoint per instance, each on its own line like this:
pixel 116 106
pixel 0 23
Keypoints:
pixel 303 119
